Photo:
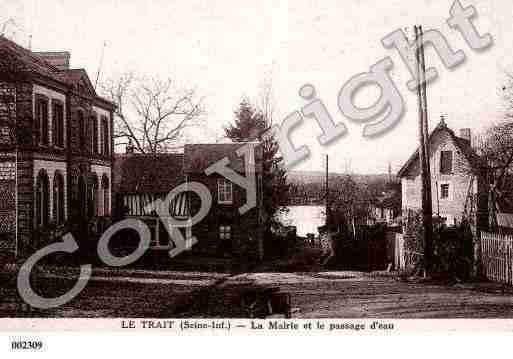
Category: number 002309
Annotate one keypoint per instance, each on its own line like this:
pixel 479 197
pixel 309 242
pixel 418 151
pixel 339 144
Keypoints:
pixel 26 345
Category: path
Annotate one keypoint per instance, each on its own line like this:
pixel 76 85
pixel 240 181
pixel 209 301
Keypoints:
pixel 137 293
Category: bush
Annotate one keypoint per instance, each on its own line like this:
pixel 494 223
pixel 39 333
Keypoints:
pixel 452 246
pixel 363 250
pixel 452 250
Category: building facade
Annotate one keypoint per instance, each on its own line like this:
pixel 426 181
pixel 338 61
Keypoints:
pixel 458 188
pixel 225 231
pixel 141 179
pixel 56 147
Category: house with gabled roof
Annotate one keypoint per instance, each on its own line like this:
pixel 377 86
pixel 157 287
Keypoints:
pixel 55 145
pixel 140 179
pixel 458 185
pixel 225 230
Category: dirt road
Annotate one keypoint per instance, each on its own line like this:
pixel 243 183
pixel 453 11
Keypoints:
pixel 160 294
pixel 360 295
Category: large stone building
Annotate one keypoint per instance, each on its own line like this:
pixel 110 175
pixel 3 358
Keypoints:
pixel 457 182
pixel 55 149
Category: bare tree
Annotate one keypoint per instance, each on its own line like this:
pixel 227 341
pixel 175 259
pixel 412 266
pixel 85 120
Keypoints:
pixel 495 148
pixel 152 114
pixel 266 103
pixel 275 184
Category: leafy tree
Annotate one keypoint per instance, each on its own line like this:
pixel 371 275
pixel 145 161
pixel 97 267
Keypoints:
pixel 249 125
pixel 349 203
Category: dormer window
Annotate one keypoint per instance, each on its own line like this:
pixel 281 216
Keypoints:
pixel 446 162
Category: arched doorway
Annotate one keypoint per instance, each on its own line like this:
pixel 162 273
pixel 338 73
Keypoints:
pixel 105 200
pixel 58 198
pixel 42 205
pixel 82 205
pixel 92 196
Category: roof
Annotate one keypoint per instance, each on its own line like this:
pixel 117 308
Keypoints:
pixel 28 58
pixel 73 76
pixel 33 62
pixel 147 173
pixel 197 157
pixel 462 144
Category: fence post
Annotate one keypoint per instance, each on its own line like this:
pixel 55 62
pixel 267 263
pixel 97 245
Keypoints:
pixel 497 257
pixel 477 265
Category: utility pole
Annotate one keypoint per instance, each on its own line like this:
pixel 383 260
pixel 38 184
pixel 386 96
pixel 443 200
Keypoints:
pixel 327 195
pixel 100 65
pixel 425 172
pixel 16 199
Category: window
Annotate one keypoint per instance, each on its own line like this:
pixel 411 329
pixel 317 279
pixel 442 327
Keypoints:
pixel 81 130
pixel 105 135
pixel 93 196
pixel 225 233
pixel 58 198
pixel 42 120
pixel 94 134
pixel 446 162
pixel 58 124
pixel 444 191
pixel 106 193
pixel 224 191
pixel 42 199
pixel 447 220
pixel 180 206
pixel 7 171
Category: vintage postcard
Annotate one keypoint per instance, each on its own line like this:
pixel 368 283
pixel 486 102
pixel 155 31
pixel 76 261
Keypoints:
pixel 241 167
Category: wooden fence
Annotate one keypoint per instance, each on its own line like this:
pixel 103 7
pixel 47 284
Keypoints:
pixel 412 259
pixel 497 257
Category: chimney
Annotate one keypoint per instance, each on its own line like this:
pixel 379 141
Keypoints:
pixel 58 59
pixel 465 134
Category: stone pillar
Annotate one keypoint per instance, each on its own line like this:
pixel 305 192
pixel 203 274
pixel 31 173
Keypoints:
pixel 25 203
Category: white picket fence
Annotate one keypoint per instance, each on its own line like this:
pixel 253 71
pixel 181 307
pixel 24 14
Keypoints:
pixel 497 257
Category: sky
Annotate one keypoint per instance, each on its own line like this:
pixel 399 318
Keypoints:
pixel 227 49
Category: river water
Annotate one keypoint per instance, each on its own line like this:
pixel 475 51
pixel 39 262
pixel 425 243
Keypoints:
pixel 305 218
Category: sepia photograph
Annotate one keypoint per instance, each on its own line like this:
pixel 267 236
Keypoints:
pixel 223 166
